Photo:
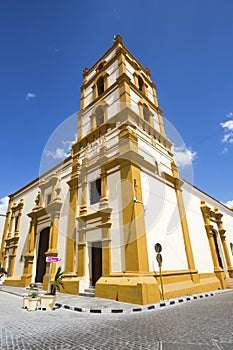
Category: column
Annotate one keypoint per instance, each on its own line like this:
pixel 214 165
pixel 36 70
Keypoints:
pixel 161 126
pixel 71 234
pixel 104 198
pixel 19 218
pixel 154 94
pixel 222 233
pixel 184 224
pixel 136 257
pixel 81 249
pixel 5 231
pixel 106 251
pixel 206 212
pixel 83 181
pixel 11 223
pixel 29 256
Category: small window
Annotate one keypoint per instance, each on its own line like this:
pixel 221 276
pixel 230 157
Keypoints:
pixel 99 116
pixel 146 113
pixel 231 246
pixel 16 222
pixel 140 83
pixel 100 86
pixel 100 66
pixel 95 191
pixel 49 197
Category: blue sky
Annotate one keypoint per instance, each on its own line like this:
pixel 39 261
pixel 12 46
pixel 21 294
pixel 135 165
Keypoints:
pixel 188 46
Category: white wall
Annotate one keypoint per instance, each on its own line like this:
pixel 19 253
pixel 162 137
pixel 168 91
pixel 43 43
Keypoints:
pixel 162 224
pixel 117 228
pixel 2 222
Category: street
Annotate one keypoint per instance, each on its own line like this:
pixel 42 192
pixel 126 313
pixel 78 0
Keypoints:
pixel 198 324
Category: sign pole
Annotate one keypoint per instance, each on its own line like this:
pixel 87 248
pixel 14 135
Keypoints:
pixel 49 276
pixel 50 260
pixel 158 249
pixel 161 280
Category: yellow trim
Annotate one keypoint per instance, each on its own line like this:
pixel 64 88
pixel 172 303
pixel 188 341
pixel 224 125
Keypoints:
pixel 3 259
pixel 136 256
pixel 184 224
pixel 11 238
pixel 209 215
pixel 73 206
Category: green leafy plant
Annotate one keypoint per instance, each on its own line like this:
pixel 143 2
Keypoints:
pixel 57 283
pixel 33 295
pixel 33 290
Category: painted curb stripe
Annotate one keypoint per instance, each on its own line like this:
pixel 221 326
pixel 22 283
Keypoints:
pixel 138 309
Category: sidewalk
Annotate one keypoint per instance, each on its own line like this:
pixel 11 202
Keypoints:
pixel 99 305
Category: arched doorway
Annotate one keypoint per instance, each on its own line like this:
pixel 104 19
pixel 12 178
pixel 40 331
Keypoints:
pixel 217 248
pixel 43 247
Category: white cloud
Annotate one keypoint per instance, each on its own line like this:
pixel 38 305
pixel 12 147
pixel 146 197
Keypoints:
pixel 229 115
pixel 225 150
pixel 228 130
pixel 3 205
pixel 183 156
pixel 29 96
pixel 227 125
pixel 229 204
pixel 59 153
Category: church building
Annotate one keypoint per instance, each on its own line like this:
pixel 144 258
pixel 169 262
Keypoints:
pixel 116 198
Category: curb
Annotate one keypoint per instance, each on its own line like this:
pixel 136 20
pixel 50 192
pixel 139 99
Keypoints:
pixel 161 304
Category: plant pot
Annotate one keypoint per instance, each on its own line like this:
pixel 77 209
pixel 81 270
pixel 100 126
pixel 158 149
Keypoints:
pixel 32 304
pixel 47 302
pixel 25 302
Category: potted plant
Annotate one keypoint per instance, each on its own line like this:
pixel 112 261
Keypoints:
pixel 32 293
pixel 48 300
pixel 33 297
pixel 3 272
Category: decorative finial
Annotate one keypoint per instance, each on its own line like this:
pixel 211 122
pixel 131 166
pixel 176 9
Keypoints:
pixel 37 199
pixel 58 189
pixel 118 39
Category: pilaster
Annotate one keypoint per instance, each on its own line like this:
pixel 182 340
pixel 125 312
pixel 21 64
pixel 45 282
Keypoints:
pixel 184 224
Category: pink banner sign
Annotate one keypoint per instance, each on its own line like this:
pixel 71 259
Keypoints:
pixel 52 259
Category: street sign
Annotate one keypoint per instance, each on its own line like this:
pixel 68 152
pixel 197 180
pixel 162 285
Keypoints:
pixel 52 259
pixel 158 248
pixel 159 258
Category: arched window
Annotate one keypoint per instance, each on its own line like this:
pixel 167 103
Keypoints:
pixel 146 113
pixel 231 246
pixel 100 66
pixel 140 83
pixel 100 86
pixel 99 116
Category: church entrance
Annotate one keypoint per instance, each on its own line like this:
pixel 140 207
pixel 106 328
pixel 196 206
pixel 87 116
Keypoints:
pixel 96 257
pixel 43 247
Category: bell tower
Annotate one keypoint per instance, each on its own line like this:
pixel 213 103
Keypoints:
pixel 120 134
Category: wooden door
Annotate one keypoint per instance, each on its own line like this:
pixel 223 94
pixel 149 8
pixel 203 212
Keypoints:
pixel 96 251
pixel 43 247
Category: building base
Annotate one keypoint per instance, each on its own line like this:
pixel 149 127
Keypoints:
pixel 146 290
pixel 141 290
pixel 14 282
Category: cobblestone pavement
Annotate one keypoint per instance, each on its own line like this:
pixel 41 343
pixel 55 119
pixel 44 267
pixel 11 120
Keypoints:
pixel 197 325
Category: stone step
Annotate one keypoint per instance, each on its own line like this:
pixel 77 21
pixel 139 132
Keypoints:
pixel 89 292
pixel 84 294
